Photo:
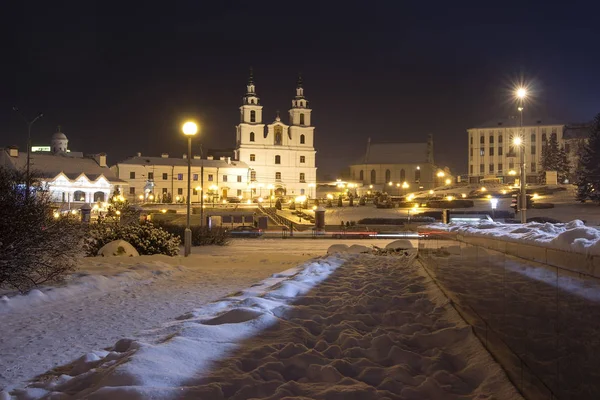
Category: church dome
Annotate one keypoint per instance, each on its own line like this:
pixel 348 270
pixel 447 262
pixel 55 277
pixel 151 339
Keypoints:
pixel 59 136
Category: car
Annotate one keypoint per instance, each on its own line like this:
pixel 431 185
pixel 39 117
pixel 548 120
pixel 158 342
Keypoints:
pixel 234 200
pixel 245 231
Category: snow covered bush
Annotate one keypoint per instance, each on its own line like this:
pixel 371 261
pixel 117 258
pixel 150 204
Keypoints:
pixel 146 238
pixel 35 246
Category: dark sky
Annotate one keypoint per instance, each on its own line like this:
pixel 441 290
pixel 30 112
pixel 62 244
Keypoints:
pixel 120 78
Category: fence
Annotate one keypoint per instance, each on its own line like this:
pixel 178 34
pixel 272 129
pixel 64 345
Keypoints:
pixel 540 322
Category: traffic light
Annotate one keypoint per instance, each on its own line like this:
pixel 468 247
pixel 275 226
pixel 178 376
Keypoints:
pixel 516 202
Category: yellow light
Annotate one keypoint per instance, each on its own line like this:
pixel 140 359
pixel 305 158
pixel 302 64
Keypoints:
pixel 483 189
pixel 410 197
pixel 272 197
pixel 260 199
pixel 312 185
pixel 517 141
pixel 329 196
pixel 240 197
pixel 405 185
pixel 418 167
pixel 95 207
pixel 198 188
pixel 300 199
pixel 270 186
pixel 448 181
pixel 224 201
pixel 177 198
pixel 163 211
pixel 521 93
pixel 368 192
pixel 504 192
pixel 205 197
pixel 512 172
pixel 261 185
pixel 449 198
pixel 397 185
pixel 141 197
pixel 151 197
pixel 390 183
pixel 489 196
pixel 370 186
pixel 118 212
pixel 248 201
pixel 314 208
pixel 441 174
pixel 463 195
pixel 431 192
pixel 535 195
pixel 213 187
pixel 56 214
pixel 189 128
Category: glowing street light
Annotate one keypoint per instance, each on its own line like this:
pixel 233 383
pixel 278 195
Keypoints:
pixel 521 93
pixel 189 129
pixel 448 181
pixel 441 174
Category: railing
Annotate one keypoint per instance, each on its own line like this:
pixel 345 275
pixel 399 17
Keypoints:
pixel 540 322
pixel 276 218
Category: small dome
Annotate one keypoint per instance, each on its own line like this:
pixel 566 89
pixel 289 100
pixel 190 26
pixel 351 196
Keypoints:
pixel 59 136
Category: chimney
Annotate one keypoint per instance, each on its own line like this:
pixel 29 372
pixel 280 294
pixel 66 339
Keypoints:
pixel 139 154
pixel 100 159
pixel 165 155
pixel 13 151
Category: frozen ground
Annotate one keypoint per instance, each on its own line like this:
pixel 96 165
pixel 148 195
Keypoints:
pixel 340 327
pixel 111 298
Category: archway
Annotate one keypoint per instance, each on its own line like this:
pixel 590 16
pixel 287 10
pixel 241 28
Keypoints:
pixel 79 196
pixel 99 196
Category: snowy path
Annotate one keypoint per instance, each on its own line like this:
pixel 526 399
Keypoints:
pixel 133 295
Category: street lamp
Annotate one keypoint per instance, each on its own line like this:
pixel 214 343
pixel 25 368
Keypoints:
pixel 29 124
pixel 521 94
pixel 189 129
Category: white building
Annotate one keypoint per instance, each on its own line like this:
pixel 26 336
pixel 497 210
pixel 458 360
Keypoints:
pixel 492 154
pixel 70 177
pixel 281 157
pixel 164 179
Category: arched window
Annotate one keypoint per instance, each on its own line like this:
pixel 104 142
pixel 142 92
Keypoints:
pixel 361 175
pixel 252 116
pixel 491 139
pixel 277 159
pixel 482 139
pixel 252 157
pixel 278 135
pixel 417 175
pixel 402 175
pixel 302 140
pixel 252 136
pixel 499 139
pixel 301 118
pixel 388 175
pixel 373 177
pixel 78 196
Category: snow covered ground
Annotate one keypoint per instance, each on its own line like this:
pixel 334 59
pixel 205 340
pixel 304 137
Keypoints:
pixel 111 298
pixel 336 327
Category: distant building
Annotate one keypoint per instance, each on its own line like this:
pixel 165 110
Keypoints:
pixel 70 177
pixel 492 155
pixel 280 157
pixel 164 179
pixel 399 168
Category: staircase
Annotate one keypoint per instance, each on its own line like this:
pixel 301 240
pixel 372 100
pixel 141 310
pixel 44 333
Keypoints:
pixel 275 218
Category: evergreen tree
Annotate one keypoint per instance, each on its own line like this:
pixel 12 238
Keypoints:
pixel 554 158
pixel 588 169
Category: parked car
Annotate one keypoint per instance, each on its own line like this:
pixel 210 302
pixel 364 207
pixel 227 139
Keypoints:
pixel 245 231
pixel 354 232
pixel 234 200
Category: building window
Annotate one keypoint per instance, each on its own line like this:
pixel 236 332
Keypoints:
pixel 301 119
pixel 491 139
pixel 500 168
pixel 179 191
pixel 224 178
pixel 491 168
pixel 239 192
pixel 388 175
pixel 277 176
pixel 361 175
pixel 511 165
pixel 252 157
pixel 402 175
pixel 373 177
pixel 131 190
pixel 253 175
pixel 252 116
pixel 302 139
pixel 164 191
pixel 471 140
pixel 302 191
pixel 471 169
pixel 210 177
pixel 179 177
pixel 194 192
pixel 252 136
pixel 132 175
pixel 278 135
pixel 482 152
pixel 499 151
pixel 417 175
pixel 150 176
pixel 533 167
pixel 302 177
pixel 239 178
pixel 481 168
pixel 491 151
pixel 482 140
pixel 278 159
pixel 302 159
pixel 470 153
pixel 499 139
pixel 533 149
pixel 165 176
pixel 195 177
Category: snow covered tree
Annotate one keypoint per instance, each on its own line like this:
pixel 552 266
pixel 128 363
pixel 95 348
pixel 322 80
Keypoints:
pixel 588 169
pixel 554 158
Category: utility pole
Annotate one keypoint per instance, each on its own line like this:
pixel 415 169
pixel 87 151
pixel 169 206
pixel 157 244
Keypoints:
pixel 28 173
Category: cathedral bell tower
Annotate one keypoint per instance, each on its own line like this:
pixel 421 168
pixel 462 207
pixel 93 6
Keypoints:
pixel 251 110
pixel 300 113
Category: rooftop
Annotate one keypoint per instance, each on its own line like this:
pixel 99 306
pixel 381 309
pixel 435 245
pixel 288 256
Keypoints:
pixel 181 162
pixel 513 121
pixel 395 153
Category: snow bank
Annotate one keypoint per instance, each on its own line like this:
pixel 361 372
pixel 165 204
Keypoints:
pixel 175 353
pixel 573 236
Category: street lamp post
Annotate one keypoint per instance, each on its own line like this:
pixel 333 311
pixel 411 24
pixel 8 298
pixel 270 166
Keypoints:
pixel 521 95
pixel 29 124
pixel 189 129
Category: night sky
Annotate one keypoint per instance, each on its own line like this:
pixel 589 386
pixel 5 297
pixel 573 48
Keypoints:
pixel 121 78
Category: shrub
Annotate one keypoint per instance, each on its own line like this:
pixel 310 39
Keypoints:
pixel 292 206
pixel 146 238
pixel 35 247
pixel 200 237
pixel 340 202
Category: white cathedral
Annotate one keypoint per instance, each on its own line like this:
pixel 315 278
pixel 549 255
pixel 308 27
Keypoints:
pixel 280 157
